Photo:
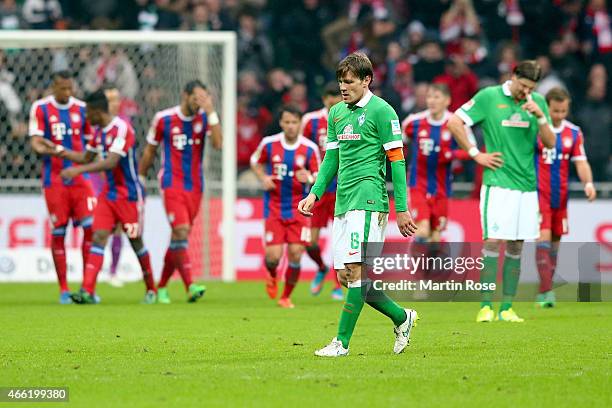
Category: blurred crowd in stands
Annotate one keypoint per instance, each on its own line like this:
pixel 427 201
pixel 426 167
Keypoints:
pixel 288 49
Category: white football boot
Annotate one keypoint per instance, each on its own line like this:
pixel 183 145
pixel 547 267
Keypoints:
pixel 402 332
pixel 333 349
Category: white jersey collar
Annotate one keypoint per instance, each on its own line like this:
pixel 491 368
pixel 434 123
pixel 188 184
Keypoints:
pixel 506 88
pixel 365 99
pixel 110 125
pixel 288 146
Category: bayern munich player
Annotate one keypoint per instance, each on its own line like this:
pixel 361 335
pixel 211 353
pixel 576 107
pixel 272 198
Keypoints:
pixel 314 127
pixel 122 197
pixel 552 168
pixel 58 122
pixel 181 131
pixel 286 164
pixel 432 149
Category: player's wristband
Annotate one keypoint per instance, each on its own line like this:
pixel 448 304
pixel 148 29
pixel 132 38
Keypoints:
pixel 589 184
pixel 213 119
pixel 542 121
pixel 473 152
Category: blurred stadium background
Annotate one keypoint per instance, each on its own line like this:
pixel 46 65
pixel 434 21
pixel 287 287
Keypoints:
pixel 286 51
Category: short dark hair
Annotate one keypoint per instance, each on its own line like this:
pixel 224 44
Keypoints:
pixel 528 69
pixel 331 89
pixel 294 110
pixel 441 88
pixel 63 74
pixel 192 85
pixel 357 64
pixel 97 100
pixel 558 94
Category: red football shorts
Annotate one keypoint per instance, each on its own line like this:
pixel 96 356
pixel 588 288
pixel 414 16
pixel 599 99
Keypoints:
pixel 182 207
pixel 323 210
pixel 130 214
pixel 554 219
pixel 293 231
pixel 427 207
pixel 69 202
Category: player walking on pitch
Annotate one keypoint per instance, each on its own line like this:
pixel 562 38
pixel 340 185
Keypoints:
pixel 511 116
pixel 285 163
pixel 58 122
pixel 314 127
pixel 122 198
pixel 552 168
pixel 182 131
pixel 362 133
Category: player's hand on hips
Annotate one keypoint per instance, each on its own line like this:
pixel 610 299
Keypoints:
pixel 590 192
pixel 305 206
pixel 489 160
pixel 69 173
pixel 268 183
pixel 405 224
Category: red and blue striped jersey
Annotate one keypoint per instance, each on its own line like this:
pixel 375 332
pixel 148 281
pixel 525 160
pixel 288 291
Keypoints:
pixel 314 127
pixel 121 182
pixel 282 161
pixel 552 165
pixel 433 149
pixel 183 140
pixel 64 125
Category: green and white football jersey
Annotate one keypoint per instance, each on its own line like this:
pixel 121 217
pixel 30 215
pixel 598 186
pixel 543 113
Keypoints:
pixel 507 129
pixel 362 133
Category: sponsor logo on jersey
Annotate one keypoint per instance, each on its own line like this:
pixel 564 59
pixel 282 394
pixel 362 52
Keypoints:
pixel 75 117
pixel 347 134
pixel 53 118
pixel 361 119
pixel 276 158
pixel 300 161
pixel 197 127
pixel 567 143
pixel 446 136
pixel 176 129
pixel 396 129
pixel 515 121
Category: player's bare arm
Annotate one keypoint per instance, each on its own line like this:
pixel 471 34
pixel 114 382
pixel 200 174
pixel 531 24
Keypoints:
pixel 77 157
pixel 205 102
pixel 457 128
pixel 44 146
pixel 267 181
pixel 107 164
pixel 147 159
pixel 305 205
pixel 583 169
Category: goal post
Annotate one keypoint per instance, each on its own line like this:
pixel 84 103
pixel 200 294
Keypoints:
pixel 151 68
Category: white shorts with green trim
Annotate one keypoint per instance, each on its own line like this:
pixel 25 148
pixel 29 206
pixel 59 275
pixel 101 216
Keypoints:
pixel 510 215
pixel 353 228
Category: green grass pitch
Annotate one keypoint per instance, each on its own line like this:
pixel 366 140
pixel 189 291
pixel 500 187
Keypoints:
pixel 236 348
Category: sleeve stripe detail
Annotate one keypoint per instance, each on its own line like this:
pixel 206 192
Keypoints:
pixel 118 151
pixel 151 139
pixel 393 144
pixel 331 145
pixel 579 158
pixel 464 116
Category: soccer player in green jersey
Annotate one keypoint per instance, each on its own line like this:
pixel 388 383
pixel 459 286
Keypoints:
pixel 363 131
pixel 511 115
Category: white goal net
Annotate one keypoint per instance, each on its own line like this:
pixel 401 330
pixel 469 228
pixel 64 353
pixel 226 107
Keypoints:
pixel 150 70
